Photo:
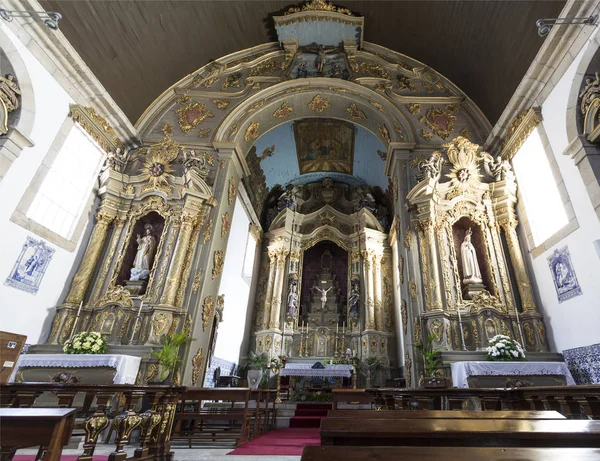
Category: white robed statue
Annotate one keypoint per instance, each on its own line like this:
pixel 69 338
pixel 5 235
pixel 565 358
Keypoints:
pixel 471 271
pixel 144 256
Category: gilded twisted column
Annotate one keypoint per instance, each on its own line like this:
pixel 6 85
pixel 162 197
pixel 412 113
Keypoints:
pixel 377 292
pixel 429 260
pixel 516 257
pixel 369 303
pixel 269 293
pixel 176 269
pixel 278 288
pixel 82 279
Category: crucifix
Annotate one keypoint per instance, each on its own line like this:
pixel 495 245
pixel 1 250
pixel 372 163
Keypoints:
pixel 323 296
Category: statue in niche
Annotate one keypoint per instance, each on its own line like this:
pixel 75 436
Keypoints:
pixel 144 256
pixel 365 199
pixel 432 168
pixel 292 301
pixel 321 51
pixel 471 273
pixel 323 296
pixel 9 92
pixel 354 299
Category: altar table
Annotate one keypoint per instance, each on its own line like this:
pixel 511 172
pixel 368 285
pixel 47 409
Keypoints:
pixel 330 370
pixel 126 366
pixel 462 370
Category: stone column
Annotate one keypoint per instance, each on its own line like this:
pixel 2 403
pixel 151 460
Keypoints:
pixel 175 270
pixel 82 279
pixel 429 260
pixel 369 303
pixel 516 258
pixel 377 292
pixel 278 288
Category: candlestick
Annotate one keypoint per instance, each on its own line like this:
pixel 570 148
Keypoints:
pixel 140 309
pixel 460 325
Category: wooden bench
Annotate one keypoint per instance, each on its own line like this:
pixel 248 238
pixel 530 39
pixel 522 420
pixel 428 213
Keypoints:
pixel 461 432
pixel 443 414
pixel 350 396
pixel 28 427
pixel 316 453
pixel 262 416
pixel 194 421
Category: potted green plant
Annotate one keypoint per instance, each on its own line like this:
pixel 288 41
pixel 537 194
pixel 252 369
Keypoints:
pixel 255 363
pixel 168 355
pixel 431 363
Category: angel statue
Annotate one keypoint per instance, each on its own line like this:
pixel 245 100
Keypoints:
pixel 323 296
pixel 432 168
pixel 590 92
pixel 144 256
pixel 498 168
pixel 471 273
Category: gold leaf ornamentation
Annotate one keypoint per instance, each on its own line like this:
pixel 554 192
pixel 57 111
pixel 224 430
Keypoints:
pixel 192 115
pixel 184 99
pixel 398 130
pixel 252 131
pixel 374 70
pixel 218 260
pixel 167 130
pixel 208 312
pixel 284 111
pixel 95 125
pixel 257 105
pixel 197 362
pixel 440 121
pixel 414 108
pixel 384 133
pixel 319 104
pixel 355 112
pixel 232 191
pixel 318 5
pixel 222 104
pixel 225 224
pixel 207 235
pixel 197 281
pixel 427 135
pixel 406 83
pixel 204 133
pixel 377 106
pixel 268 152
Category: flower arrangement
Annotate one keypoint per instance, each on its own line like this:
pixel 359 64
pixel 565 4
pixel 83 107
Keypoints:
pixel 504 348
pixel 86 342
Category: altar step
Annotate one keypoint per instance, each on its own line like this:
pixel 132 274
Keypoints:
pixel 309 414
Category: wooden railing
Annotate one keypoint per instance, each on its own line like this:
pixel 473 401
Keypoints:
pixel 101 405
pixel 575 402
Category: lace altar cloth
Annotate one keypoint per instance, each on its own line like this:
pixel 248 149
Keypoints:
pixel 302 369
pixel 126 365
pixel 462 370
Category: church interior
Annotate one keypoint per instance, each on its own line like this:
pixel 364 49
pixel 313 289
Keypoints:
pixel 299 229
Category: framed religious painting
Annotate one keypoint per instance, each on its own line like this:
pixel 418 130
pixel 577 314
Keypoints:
pixel 563 274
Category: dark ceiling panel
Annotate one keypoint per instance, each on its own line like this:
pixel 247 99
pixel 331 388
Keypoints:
pixel 137 49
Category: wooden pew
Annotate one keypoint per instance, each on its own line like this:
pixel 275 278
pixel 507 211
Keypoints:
pixel 443 414
pixel 350 396
pixel 194 421
pixel 316 453
pixel 27 427
pixel 461 432
pixel 262 416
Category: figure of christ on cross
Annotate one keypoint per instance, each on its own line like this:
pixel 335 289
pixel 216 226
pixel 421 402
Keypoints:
pixel 323 296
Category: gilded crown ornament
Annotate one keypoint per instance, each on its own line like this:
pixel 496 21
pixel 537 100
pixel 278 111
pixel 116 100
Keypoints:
pixel 318 5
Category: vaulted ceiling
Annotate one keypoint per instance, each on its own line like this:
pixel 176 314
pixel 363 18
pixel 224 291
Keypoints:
pixel 137 49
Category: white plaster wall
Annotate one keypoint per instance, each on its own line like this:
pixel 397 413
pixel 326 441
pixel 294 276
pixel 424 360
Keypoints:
pixel 235 289
pixel 575 322
pixel 22 312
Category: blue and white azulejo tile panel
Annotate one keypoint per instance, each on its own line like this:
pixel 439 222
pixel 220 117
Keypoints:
pixel 584 363
pixel 30 266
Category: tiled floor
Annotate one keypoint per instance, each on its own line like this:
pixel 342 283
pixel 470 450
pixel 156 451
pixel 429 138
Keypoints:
pixel 181 454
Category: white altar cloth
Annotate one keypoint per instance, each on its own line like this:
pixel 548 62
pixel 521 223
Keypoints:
pixel 127 366
pixel 303 369
pixel 462 370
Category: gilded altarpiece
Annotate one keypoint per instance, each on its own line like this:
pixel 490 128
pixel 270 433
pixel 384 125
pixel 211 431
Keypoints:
pixel 474 281
pixel 325 238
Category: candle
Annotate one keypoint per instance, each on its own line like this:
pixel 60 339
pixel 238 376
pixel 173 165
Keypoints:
pixel 336 328
pixel 459 318
pixel 140 309
pixel 344 328
pixel 80 306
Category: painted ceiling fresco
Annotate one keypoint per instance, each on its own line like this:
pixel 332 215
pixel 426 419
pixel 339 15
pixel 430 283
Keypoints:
pixel 321 148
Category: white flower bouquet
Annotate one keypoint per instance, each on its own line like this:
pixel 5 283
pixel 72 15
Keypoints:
pixel 87 342
pixel 502 347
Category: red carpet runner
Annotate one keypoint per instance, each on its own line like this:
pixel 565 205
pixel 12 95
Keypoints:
pixel 303 431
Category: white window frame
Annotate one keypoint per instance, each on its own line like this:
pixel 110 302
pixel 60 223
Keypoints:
pixel 20 217
pixel 572 224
